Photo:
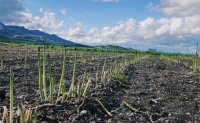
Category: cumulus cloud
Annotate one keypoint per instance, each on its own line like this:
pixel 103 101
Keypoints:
pixel 47 22
pixel 13 13
pixel 164 32
pixel 181 28
pixel 63 11
pixel 94 31
pixel 76 34
pixel 178 8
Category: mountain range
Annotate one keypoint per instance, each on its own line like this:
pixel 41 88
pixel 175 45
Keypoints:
pixel 17 34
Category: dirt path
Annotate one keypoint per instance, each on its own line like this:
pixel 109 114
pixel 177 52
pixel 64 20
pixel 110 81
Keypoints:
pixel 166 91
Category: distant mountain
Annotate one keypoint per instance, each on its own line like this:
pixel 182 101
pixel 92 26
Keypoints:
pixel 113 47
pixel 22 35
pixel 1 25
pixel 17 34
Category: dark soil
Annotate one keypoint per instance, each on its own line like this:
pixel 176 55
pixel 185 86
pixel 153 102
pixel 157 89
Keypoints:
pixel 162 91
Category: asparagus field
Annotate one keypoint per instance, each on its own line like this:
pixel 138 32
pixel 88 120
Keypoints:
pixel 96 87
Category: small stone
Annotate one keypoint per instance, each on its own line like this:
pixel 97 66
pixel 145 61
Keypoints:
pixel 20 97
pixel 109 120
pixel 113 111
pixel 15 108
pixel 129 114
pixel 83 112
pixel 122 104
pixel 100 86
pixel 188 113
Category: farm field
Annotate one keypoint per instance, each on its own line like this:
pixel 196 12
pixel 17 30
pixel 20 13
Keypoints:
pixel 129 88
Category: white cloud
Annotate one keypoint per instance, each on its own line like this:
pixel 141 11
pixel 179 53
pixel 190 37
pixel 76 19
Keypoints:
pixel 76 34
pixel 149 32
pixel 93 31
pixel 40 10
pixel 178 8
pixel 63 11
pixel 45 23
pixel 15 14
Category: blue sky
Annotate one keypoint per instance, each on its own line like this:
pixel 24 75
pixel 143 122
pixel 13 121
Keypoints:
pixel 96 14
pixel 167 25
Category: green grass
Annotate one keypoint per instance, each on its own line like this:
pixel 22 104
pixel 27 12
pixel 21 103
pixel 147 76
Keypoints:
pixel 121 77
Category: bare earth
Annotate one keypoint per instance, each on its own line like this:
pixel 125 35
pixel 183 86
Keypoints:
pixel 162 91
